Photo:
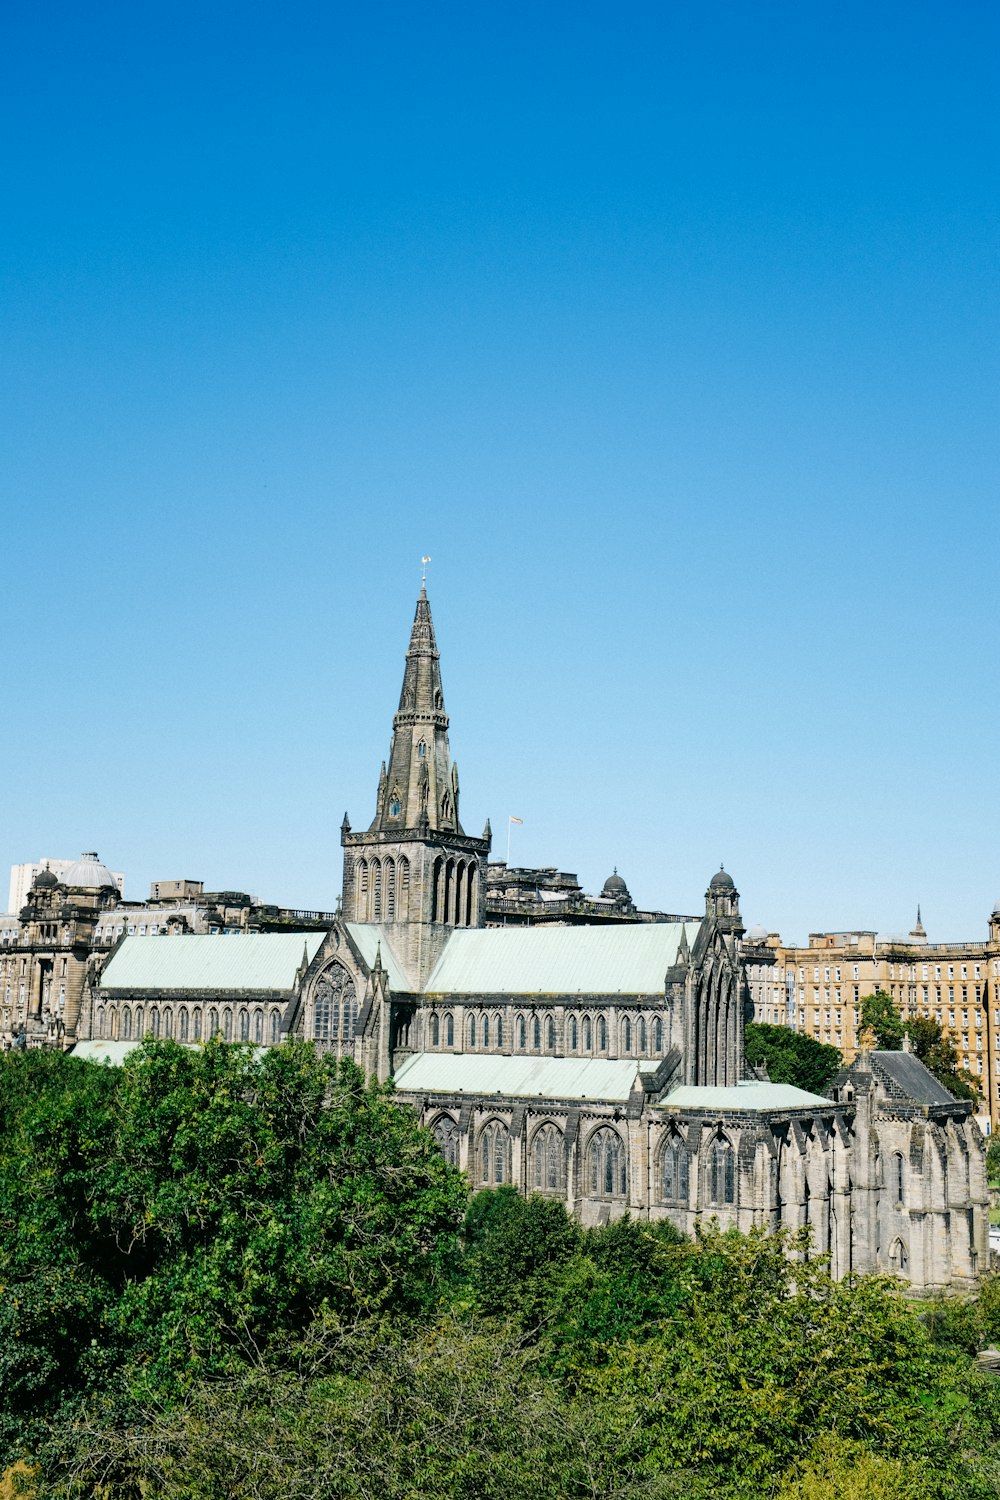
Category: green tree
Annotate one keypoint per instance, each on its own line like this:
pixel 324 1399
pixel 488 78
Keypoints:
pixel 937 1052
pixel 792 1057
pixel 880 1015
pixel 993 1158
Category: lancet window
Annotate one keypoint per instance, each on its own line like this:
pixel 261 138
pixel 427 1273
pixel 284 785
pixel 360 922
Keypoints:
pixel 608 1166
pixel 446 1134
pixel 547 1160
pixel 494 1154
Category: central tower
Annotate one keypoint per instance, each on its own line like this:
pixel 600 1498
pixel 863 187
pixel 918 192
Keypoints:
pixel 415 871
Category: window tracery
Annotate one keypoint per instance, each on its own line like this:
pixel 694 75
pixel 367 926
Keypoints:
pixel 494 1154
pixel 547 1159
pixel 445 1132
pixel 335 1006
pixel 608 1166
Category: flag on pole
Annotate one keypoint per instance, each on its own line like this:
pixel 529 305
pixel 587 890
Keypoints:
pixel 512 819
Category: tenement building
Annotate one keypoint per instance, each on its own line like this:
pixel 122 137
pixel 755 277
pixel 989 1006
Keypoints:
pixel 599 1063
pixel 819 989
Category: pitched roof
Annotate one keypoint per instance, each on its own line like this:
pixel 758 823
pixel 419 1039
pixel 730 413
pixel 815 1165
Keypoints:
pixel 370 939
pixel 266 962
pixel 744 1096
pixel 632 959
pixel 907 1076
pixel 604 1079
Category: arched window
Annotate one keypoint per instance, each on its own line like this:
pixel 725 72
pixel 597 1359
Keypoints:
pixel 536 1034
pixel 390 890
pixel 897 1177
pixel 227 1024
pixel 435 1030
pixel 446 1135
pixel 244 1025
pixel 522 1035
pixel 499 1031
pixel 154 1021
pixel 602 1034
pixel 196 1025
pixel 547 1160
pixel 258 1025
pixel 127 1024
pixel 627 1035
pixel 550 1034
pixel 657 1035
pixel 675 1174
pixel 377 892
pixel 897 1256
pixel 100 1020
pixel 494 1154
pixel 138 1023
pixel 574 1034
pixel 182 1025
pixel 363 884
pixel 274 1026
pixel 334 998
pixel 721 1171
pixel 168 1022
pixel 642 1035
pixel 404 888
pixel 213 1023
pixel 608 1169
pixel 422 750
pixel 587 1036
pixel 472 1031
pixel 449 1030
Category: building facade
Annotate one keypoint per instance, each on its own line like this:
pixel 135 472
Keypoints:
pixel 599 1063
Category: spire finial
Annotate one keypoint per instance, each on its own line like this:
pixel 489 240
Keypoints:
pixel 423 574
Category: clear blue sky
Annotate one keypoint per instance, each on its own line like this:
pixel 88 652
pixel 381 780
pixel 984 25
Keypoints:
pixel 669 331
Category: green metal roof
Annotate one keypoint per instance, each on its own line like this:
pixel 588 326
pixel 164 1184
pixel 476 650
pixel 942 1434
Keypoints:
pixel 109 1052
pixel 744 1096
pixel 603 1079
pixel 265 962
pixel 632 959
pixel 370 939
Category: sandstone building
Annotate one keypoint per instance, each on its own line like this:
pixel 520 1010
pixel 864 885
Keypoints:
pixel 601 1063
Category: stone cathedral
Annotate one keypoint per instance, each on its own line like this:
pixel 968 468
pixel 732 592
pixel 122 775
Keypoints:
pixel 600 1064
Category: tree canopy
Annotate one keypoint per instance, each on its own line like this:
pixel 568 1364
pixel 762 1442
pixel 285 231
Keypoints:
pixel 792 1057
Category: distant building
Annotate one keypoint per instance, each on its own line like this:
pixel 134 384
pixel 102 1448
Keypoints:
pixel 517 896
pixel 22 877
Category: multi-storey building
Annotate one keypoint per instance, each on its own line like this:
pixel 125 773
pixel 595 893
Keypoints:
pixel 22 877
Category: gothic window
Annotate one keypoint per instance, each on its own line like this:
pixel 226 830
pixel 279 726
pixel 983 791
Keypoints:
pixel 574 1034
pixel 138 1023
pixel 334 1005
pixel 499 1031
pixel 100 1020
pixel 258 1025
pixel 422 750
pixel 377 893
pixel 642 1035
pixel 404 888
pixel 657 1036
pixel 494 1154
pixel 363 878
pixel 168 1022
pixel 627 1035
pixel 602 1034
pixel 244 1025
pixel 449 1030
pixel 897 1177
pixel 395 806
pixel 550 1034
pixel 472 1031
pixel 486 1031
pixel 154 1021
pixel 446 1135
pixel 213 1023
pixel 445 807
pixel 127 1024
pixel 390 890
pixel 536 1034
pixel 274 1027
pixel 435 1030
pixel 587 1037
pixel 721 1172
pixel 547 1160
pixel 675 1171
pixel 182 1026
pixel 522 1035
pixel 227 1024
pixel 897 1256
pixel 196 1025
pixel 608 1169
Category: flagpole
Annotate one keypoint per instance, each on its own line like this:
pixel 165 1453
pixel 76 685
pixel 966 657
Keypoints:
pixel 508 840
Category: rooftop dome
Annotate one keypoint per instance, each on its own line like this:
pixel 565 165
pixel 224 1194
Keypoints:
pixel 721 881
pixel 615 885
pixel 44 880
pixel 996 908
pixel 757 934
pixel 88 872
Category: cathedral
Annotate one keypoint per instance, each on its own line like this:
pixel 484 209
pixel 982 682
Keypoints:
pixel 601 1064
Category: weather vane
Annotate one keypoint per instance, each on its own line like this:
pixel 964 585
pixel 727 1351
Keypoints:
pixel 423 576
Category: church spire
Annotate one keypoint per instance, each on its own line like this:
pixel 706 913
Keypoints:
pixel 420 789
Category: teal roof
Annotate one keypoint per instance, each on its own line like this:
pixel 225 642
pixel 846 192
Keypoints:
pixel 265 962
pixel 744 1096
pixel 370 939
pixel 632 959
pixel 603 1079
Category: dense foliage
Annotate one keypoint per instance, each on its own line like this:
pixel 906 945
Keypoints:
pixel 224 1275
pixel 792 1057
